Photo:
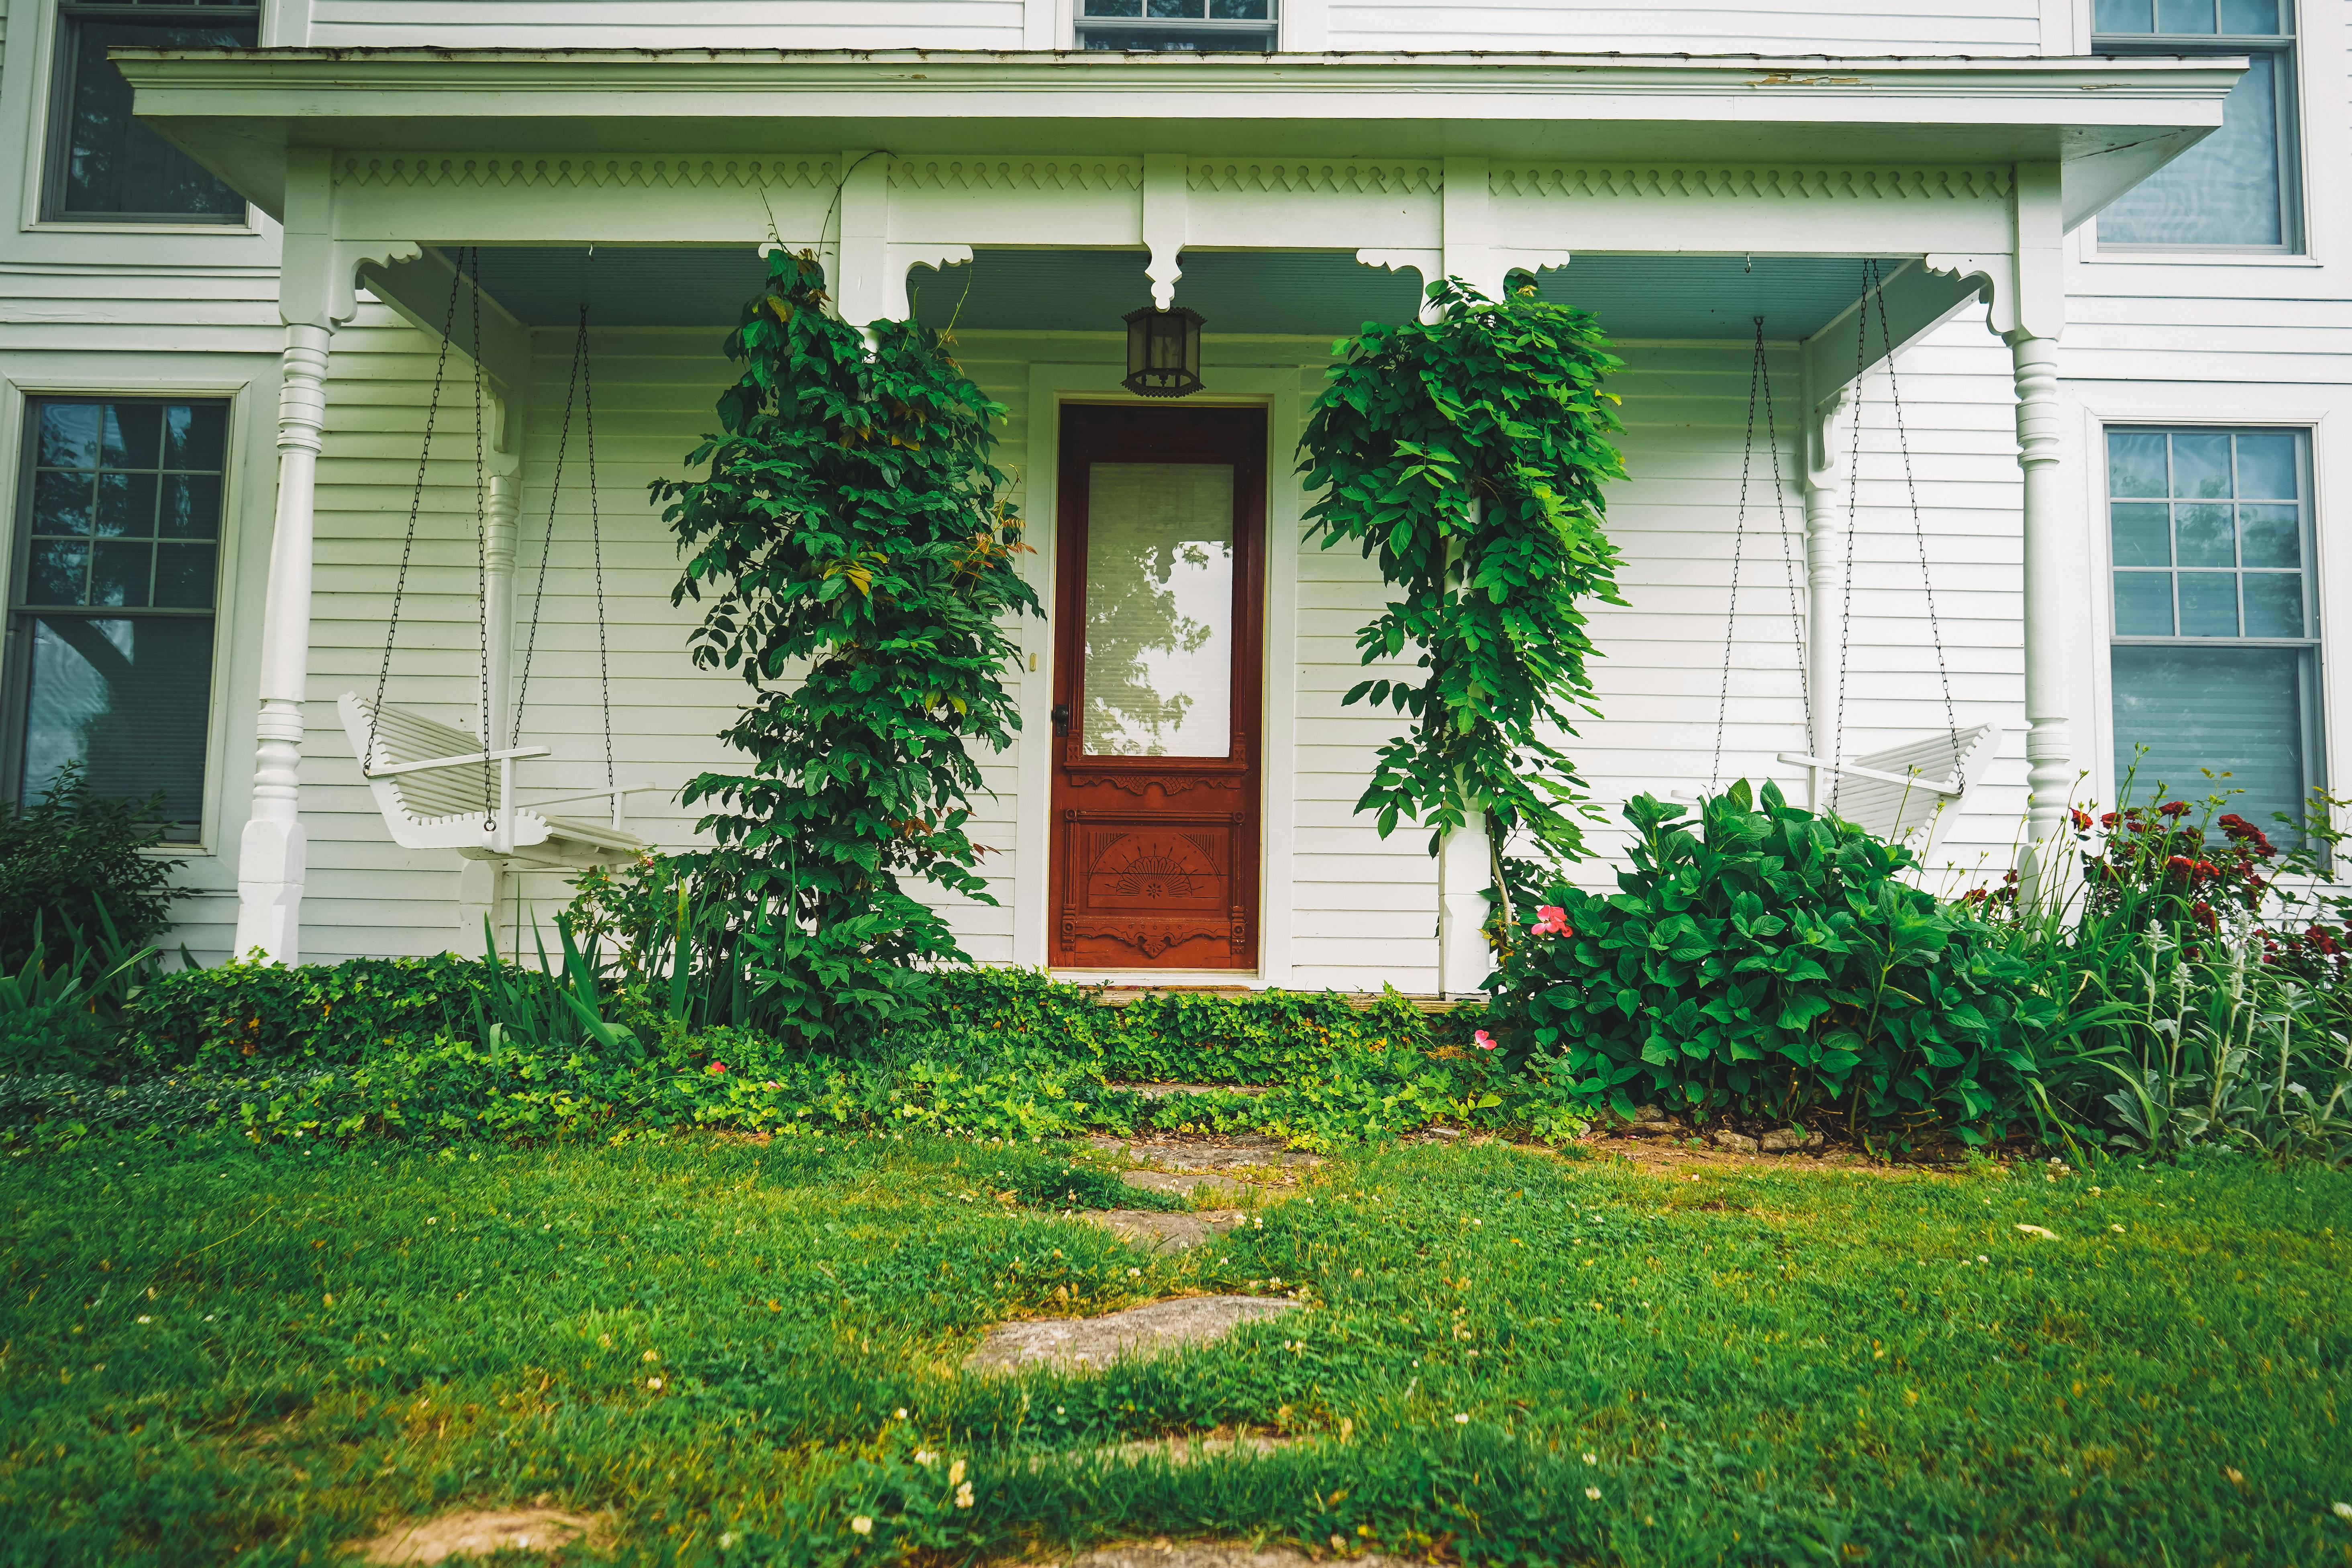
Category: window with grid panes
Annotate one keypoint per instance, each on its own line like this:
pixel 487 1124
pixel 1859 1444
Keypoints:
pixel 2235 189
pixel 109 636
pixel 104 166
pixel 1163 24
pixel 2215 655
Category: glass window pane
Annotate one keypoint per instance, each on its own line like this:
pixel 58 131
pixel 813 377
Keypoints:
pixel 2270 536
pixel 2143 533
pixel 2266 468
pixel 197 435
pixel 184 577
pixel 128 698
pixel 62 503
pixel 2144 604
pixel 2122 16
pixel 2234 711
pixel 1238 10
pixel 2274 604
pixel 2135 463
pixel 1178 9
pixel 1158 672
pixel 2184 15
pixel 1113 7
pixel 2223 191
pixel 115 166
pixel 68 435
pixel 134 434
pixel 2250 19
pixel 2209 604
pixel 59 573
pixel 191 507
pixel 2204 534
pixel 120 573
pixel 126 504
pixel 2200 464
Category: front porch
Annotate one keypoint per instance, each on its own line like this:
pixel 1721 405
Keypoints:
pixel 1032 240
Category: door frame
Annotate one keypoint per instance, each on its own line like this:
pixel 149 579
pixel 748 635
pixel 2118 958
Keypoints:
pixel 1279 390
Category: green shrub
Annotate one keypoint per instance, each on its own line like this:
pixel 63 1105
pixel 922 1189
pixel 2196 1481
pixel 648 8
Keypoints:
pixel 70 856
pixel 1772 962
pixel 243 1016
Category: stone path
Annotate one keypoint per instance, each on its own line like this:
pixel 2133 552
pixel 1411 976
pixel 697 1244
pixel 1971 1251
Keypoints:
pixel 1086 1344
pixel 1156 1232
pixel 1231 1167
pixel 477 1532
pixel 1207 1554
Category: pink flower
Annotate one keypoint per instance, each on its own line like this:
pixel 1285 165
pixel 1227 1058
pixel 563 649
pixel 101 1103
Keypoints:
pixel 1485 1041
pixel 1552 920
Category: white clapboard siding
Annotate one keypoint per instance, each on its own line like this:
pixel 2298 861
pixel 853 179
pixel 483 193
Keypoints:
pixel 671 24
pixel 1819 27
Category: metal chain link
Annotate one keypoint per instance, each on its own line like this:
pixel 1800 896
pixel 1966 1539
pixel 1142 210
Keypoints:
pixel 1852 517
pixel 547 545
pixel 1918 529
pixel 415 501
pixel 596 542
pixel 1738 547
pixel 1787 554
pixel 482 550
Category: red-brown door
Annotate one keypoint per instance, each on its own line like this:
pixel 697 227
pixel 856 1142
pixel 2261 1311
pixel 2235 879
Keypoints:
pixel 1157 688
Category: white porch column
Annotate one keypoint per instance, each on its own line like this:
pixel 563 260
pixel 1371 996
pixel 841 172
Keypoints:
pixel 1465 869
pixel 2053 595
pixel 1826 490
pixel 2057 566
pixel 315 295
pixel 481 883
pixel 270 855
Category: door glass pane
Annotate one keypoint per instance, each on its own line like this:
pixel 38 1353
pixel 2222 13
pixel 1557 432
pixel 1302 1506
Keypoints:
pixel 2236 710
pixel 1158 666
pixel 2223 191
pixel 128 699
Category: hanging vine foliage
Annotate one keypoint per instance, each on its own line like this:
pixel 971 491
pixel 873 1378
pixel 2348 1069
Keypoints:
pixel 1468 456
pixel 864 565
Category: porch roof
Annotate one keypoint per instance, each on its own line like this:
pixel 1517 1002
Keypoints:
pixel 2107 122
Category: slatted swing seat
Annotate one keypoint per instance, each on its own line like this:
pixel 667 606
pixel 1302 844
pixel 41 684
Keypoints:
pixel 441 787
pixel 1906 793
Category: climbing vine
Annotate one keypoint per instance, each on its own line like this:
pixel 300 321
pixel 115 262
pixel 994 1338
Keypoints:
pixel 1468 455
pixel 862 565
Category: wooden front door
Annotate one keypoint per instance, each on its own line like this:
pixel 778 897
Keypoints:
pixel 1157 688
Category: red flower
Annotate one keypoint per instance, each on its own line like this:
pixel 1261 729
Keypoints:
pixel 717 1066
pixel 2082 821
pixel 1552 920
pixel 2109 819
pixel 2204 913
pixel 2173 808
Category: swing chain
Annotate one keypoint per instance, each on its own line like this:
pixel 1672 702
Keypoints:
pixel 547 544
pixel 1760 390
pixel 1918 529
pixel 596 546
pixel 482 551
pixel 415 501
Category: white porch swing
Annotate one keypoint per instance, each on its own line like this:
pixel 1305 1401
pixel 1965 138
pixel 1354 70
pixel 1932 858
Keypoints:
pixel 441 787
pixel 1907 792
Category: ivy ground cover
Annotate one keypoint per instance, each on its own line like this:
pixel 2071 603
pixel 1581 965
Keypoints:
pixel 743 1352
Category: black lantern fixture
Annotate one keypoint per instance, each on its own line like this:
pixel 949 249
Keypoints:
pixel 1163 352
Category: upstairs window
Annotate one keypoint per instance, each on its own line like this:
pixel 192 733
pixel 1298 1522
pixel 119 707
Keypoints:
pixel 2236 189
pixel 1231 24
pixel 103 165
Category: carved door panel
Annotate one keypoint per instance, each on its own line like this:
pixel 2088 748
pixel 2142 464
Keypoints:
pixel 1157 688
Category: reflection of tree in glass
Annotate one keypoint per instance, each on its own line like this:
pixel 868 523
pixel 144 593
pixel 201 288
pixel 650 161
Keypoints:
pixel 1132 613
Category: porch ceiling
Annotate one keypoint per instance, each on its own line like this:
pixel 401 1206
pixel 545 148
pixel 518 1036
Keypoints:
pixel 1324 293
pixel 2108 122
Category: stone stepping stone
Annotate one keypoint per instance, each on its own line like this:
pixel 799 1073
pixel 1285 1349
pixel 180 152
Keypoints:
pixel 1089 1344
pixel 1207 1554
pixel 1249 1152
pixel 477 1532
pixel 1184 1183
pixel 1156 1232
pixel 1191 1448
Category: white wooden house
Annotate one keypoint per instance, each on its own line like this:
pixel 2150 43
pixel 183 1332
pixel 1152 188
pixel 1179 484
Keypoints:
pixel 2114 251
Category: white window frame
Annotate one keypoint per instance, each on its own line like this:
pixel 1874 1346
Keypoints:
pixel 1109 27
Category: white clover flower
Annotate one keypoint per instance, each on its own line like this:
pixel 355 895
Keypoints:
pixel 924 1457
pixel 1462 1420
pixel 2341 1510
pixel 900 1414
pixel 963 1495
pixel 1593 1493
pixel 1591 1458
pixel 655 1383
pixel 955 1474
pixel 861 1525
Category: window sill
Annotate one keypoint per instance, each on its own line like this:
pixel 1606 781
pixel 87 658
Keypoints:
pixel 2094 256
pixel 222 230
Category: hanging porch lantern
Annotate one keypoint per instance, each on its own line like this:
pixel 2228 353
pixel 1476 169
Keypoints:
pixel 1163 352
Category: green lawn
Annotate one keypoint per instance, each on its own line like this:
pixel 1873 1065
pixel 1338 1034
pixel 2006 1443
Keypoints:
pixel 231 1354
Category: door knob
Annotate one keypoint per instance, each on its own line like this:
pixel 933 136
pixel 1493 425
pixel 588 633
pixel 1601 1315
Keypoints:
pixel 1061 717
